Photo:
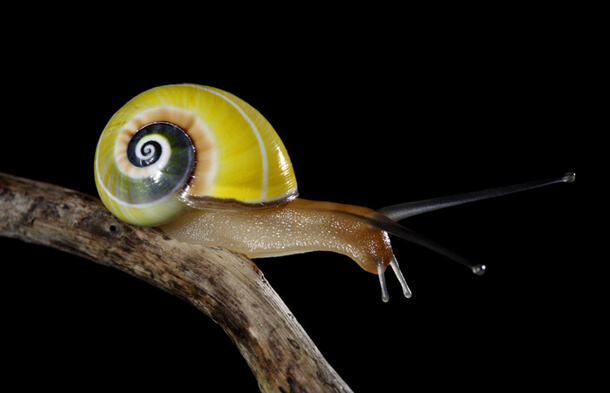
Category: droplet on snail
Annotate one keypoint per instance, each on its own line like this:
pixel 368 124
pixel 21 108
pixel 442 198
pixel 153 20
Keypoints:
pixel 208 168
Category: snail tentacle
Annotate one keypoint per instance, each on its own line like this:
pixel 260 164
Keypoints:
pixel 404 210
pixel 385 297
pixel 401 278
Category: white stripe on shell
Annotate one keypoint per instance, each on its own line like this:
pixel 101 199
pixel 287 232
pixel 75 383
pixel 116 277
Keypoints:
pixel 261 144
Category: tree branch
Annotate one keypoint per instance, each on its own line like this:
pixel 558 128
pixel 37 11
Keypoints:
pixel 227 287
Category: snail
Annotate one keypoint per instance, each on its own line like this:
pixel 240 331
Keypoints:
pixel 208 168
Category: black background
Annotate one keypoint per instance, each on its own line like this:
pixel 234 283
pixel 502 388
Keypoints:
pixel 369 120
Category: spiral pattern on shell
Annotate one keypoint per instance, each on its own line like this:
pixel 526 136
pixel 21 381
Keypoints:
pixel 180 145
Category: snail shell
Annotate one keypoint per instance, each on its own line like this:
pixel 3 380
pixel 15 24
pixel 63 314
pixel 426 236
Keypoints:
pixel 185 145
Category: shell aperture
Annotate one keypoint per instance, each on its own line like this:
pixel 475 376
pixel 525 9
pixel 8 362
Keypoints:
pixel 176 142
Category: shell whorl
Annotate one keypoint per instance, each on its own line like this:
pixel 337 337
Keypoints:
pixel 188 144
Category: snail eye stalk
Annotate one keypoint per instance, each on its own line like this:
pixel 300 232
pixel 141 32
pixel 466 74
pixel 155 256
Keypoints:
pixel 403 210
pixel 395 229
pixel 388 217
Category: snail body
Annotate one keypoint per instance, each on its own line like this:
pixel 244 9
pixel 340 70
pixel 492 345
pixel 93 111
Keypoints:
pixel 208 168
pixel 295 227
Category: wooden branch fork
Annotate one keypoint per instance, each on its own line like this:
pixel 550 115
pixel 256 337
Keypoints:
pixel 227 287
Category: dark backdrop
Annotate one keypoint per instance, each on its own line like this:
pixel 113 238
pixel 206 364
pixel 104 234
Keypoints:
pixel 368 123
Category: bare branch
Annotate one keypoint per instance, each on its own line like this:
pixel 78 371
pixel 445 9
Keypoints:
pixel 227 287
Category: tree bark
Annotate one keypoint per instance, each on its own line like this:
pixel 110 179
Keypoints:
pixel 227 287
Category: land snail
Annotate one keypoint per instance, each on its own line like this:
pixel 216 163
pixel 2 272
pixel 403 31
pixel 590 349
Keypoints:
pixel 208 168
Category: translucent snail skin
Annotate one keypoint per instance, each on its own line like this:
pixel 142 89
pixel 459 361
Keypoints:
pixel 208 168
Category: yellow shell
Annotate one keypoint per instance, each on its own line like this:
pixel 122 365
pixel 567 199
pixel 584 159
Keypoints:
pixel 235 156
